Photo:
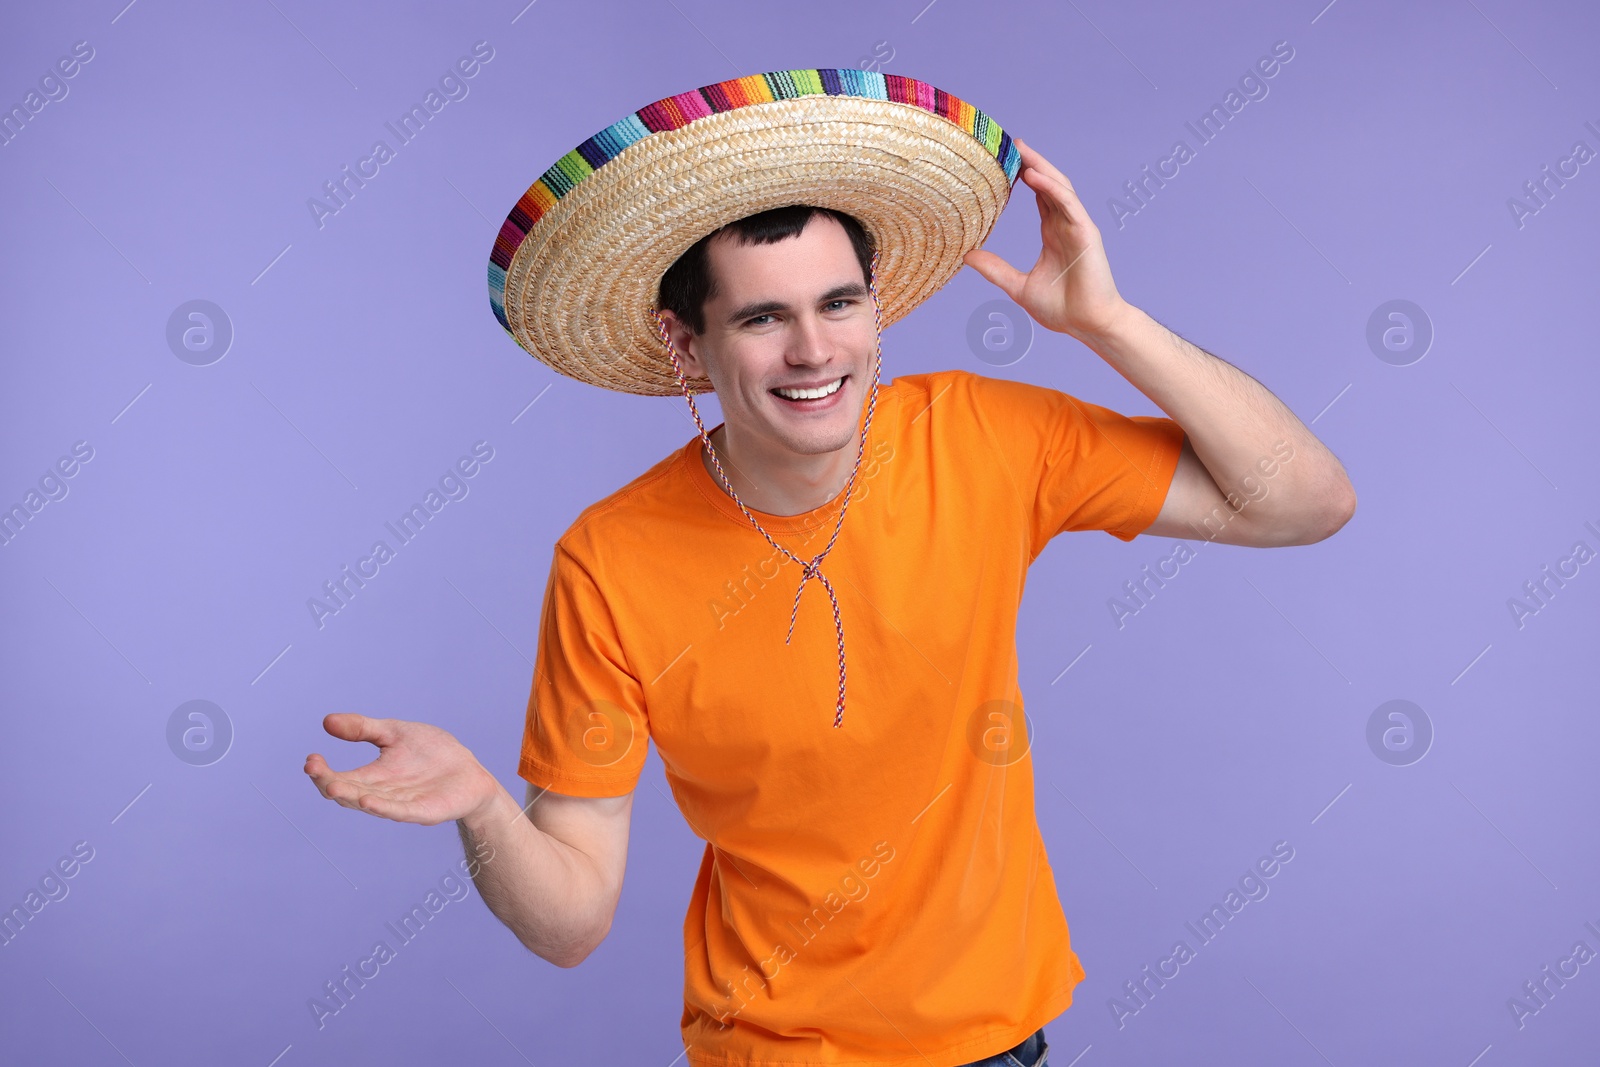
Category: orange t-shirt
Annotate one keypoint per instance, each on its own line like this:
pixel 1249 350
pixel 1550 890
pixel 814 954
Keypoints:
pixel 877 893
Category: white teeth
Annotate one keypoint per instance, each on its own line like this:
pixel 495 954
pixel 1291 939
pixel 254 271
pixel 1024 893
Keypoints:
pixel 811 394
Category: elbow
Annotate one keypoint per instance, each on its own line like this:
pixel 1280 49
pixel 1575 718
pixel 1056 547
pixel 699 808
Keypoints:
pixel 1343 511
pixel 565 958
pixel 1333 517
pixel 1311 524
pixel 574 952
pixel 567 962
pixel 582 952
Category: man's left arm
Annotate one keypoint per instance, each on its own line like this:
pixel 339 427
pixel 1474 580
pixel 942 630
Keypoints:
pixel 1251 473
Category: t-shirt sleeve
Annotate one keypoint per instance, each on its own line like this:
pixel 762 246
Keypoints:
pixel 1077 465
pixel 586 733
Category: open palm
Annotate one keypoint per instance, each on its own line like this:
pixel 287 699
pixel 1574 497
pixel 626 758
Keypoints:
pixel 422 773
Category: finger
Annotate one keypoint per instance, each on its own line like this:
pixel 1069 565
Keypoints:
pixel 1060 198
pixel 342 787
pixel 1080 230
pixel 342 793
pixel 332 786
pixel 322 776
pixel 384 808
pixel 351 726
pixel 347 794
pixel 317 769
pixel 1033 159
pixel 997 270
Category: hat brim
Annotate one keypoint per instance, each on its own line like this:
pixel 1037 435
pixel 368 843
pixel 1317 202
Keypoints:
pixel 578 285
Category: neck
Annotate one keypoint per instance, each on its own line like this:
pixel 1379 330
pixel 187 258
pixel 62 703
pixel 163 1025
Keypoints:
pixel 780 484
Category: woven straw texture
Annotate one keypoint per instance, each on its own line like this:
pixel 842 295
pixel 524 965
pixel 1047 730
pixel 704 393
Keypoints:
pixel 573 284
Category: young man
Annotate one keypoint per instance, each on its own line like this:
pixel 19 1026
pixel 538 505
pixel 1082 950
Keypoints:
pixel 874 887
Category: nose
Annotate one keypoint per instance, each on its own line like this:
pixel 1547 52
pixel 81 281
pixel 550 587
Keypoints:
pixel 810 344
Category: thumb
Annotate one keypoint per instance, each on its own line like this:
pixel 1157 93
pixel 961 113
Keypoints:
pixel 1008 278
pixel 352 726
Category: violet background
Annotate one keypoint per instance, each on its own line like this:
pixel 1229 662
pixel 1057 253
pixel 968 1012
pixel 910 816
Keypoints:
pixel 1229 714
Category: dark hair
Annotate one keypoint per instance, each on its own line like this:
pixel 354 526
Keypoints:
pixel 687 284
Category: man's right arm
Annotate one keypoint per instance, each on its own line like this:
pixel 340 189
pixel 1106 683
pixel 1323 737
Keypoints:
pixel 551 869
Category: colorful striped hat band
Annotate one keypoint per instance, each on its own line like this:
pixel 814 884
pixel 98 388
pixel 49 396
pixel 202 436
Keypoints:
pixel 813 569
pixel 579 258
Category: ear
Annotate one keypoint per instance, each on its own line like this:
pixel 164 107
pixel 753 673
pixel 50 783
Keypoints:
pixel 687 345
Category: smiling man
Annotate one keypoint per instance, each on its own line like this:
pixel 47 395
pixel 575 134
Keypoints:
pixel 874 887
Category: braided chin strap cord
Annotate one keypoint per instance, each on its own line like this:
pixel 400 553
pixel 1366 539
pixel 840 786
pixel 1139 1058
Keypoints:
pixel 812 569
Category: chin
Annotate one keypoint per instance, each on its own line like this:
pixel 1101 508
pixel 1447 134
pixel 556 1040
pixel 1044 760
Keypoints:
pixel 841 431
pixel 821 444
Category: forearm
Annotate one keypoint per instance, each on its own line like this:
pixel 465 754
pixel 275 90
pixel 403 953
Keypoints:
pixel 1231 420
pixel 547 892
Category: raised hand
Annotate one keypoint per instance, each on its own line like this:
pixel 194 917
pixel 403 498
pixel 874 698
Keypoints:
pixel 422 773
pixel 1069 289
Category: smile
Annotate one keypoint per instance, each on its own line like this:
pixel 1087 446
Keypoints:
pixel 811 394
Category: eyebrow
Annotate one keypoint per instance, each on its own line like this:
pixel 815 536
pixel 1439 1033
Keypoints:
pixel 764 307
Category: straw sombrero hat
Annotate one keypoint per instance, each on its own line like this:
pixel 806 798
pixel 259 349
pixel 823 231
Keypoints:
pixel 576 265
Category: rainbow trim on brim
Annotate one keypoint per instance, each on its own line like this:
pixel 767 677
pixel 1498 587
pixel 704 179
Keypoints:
pixel 675 112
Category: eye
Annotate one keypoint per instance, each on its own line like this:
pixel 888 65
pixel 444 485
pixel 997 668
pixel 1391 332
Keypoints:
pixel 839 304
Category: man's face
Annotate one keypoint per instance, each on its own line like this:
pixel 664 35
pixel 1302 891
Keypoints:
pixel 795 313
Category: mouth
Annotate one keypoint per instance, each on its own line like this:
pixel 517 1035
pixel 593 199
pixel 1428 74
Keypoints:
pixel 818 399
